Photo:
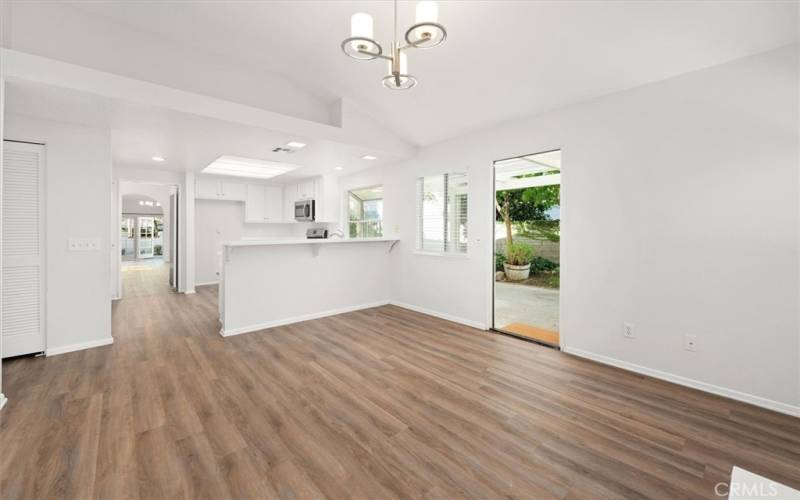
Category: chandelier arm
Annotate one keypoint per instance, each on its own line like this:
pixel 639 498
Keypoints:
pixel 374 54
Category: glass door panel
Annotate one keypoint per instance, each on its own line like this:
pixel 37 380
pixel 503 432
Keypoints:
pixel 146 234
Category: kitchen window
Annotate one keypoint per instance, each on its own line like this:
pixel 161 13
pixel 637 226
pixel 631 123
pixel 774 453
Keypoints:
pixel 365 212
pixel 442 206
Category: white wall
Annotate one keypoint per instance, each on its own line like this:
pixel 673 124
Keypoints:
pixel 78 175
pixel 711 158
pixel 217 221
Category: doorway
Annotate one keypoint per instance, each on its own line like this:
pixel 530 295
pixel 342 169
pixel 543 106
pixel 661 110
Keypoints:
pixel 147 240
pixel 527 250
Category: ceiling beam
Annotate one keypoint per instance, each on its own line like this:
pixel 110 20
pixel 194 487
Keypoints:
pixel 354 129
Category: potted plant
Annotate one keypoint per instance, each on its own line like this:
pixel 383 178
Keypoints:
pixel 518 261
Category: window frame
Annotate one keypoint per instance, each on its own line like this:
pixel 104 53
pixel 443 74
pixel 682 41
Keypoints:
pixel 351 195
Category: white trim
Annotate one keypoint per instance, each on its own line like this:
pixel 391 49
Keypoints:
pixel 189 292
pixel 688 382
pixel 79 347
pixel 206 283
pixel 436 314
pixel 297 319
pixel 3 400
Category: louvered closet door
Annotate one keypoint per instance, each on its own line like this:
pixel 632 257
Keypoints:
pixel 23 249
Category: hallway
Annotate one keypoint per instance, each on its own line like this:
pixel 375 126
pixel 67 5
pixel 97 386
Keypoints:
pixel 145 277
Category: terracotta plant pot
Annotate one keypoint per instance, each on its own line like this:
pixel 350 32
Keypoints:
pixel 517 273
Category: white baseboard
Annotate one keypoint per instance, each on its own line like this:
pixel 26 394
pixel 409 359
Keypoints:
pixel 448 317
pixel 297 319
pixel 3 400
pixel 688 382
pixel 189 292
pixel 206 283
pixel 78 347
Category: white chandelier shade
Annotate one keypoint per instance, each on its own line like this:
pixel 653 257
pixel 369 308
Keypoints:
pixel 426 33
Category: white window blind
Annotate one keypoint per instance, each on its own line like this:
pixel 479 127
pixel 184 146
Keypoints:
pixel 442 202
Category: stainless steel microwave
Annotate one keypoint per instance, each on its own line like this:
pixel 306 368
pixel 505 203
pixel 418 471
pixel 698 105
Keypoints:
pixel 304 210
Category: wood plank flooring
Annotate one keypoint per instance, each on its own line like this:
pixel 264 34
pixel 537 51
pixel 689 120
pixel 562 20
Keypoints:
pixel 381 403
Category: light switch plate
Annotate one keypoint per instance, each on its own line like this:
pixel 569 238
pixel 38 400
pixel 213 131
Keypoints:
pixel 84 244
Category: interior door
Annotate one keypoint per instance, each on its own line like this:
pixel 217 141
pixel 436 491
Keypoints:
pixel 23 249
pixel 147 226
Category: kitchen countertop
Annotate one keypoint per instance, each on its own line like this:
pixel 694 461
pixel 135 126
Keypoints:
pixel 303 241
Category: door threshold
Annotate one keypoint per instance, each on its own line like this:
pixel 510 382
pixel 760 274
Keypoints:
pixel 526 339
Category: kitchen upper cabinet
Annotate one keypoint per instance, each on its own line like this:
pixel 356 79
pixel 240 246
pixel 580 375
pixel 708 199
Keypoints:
pixel 207 188
pixel 323 190
pixel 263 204
pixel 234 191
pixel 289 197
pixel 305 190
pixel 328 199
pixel 211 188
pixel 254 203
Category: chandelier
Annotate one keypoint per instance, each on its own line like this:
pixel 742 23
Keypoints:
pixel 424 34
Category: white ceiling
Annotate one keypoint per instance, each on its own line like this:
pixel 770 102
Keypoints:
pixel 502 59
pixel 188 142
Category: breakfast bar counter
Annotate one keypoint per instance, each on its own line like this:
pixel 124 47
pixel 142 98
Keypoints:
pixel 273 282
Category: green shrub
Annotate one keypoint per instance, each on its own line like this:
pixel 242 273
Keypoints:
pixel 519 254
pixel 157 250
pixel 540 264
pixel 499 260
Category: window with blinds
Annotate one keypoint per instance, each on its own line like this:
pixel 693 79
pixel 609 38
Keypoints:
pixel 442 202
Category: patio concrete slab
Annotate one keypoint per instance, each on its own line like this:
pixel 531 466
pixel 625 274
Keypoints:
pixel 531 305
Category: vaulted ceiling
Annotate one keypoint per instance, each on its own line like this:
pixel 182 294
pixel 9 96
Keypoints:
pixel 502 59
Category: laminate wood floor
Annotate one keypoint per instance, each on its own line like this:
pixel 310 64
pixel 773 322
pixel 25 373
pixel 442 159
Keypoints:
pixel 145 277
pixel 381 403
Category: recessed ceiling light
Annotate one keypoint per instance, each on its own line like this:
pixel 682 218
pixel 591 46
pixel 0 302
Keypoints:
pixel 369 157
pixel 159 159
pixel 295 144
pixel 339 168
pixel 248 167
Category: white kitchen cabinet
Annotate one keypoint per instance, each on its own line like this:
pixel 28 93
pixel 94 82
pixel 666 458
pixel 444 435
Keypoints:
pixel 207 188
pixel 233 191
pixel 305 190
pixel 327 198
pixel 254 203
pixel 212 188
pixel 323 190
pixel 273 204
pixel 289 197
pixel 263 204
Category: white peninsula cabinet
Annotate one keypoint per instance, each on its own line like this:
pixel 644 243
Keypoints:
pixel 214 188
pixel 263 204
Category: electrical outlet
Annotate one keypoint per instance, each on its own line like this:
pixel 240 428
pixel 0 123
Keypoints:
pixel 628 331
pixel 690 342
